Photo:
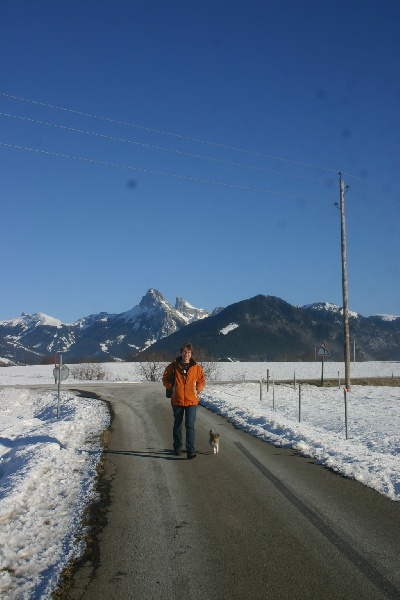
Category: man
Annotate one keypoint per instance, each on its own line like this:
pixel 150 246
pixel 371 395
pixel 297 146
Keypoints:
pixel 184 378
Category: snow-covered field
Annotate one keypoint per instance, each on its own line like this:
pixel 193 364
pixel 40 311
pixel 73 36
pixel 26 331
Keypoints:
pixel 48 464
pixel 234 371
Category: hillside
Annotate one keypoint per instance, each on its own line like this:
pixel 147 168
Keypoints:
pixel 268 328
pixel 257 329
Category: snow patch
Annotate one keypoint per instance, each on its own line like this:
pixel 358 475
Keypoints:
pixel 387 317
pixel 229 328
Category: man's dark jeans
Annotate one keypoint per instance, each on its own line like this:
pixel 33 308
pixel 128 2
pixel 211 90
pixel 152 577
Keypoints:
pixel 190 418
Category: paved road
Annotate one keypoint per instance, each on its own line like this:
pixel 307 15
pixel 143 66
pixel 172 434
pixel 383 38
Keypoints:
pixel 253 522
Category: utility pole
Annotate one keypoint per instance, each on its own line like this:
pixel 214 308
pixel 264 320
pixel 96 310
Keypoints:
pixel 345 289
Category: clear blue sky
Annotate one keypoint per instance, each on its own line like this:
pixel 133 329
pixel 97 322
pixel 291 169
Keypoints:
pixel 215 131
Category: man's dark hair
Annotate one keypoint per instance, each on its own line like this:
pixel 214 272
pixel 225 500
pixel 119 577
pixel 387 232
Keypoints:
pixel 187 347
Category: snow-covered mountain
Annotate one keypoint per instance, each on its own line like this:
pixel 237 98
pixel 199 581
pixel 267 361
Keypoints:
pixel 102 336
pixel 328 307
pixel 31 321
pixel 260 328
pixel 268 328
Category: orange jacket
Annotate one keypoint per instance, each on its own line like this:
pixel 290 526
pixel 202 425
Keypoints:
pixel 185 390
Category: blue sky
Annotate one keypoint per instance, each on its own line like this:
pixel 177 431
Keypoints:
pixel 194 147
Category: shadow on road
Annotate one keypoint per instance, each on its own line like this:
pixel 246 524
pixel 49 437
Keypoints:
pixel 165 454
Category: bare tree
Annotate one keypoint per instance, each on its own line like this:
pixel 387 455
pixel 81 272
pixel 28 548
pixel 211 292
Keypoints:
pixel 88 371
pixel 209 366
pixel 152 371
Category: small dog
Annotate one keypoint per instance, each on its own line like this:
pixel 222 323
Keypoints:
pixel 214 441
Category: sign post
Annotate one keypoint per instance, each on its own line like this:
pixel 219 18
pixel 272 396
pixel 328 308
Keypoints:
pixel 60 372
pixel 322 351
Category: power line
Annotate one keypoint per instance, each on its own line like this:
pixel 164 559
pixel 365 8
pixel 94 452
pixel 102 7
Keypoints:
pixel 162 173
pixel 168 133
pixel 161 148
pixel 186 138
pixel 357 178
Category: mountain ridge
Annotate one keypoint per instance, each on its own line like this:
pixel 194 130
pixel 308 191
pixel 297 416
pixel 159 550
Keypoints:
pixel 266 326
pixel 102 336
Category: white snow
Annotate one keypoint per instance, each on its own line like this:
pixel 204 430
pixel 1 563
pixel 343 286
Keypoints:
pixel 47 464
pixel 328 306
pixel 47 470
pixel 184 304
pixel 182 316
pixel 229 328
pixel 388 317
pixel 35 320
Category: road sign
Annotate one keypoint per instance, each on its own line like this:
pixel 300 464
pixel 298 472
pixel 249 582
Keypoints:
pixel 64 372
pixel 322 350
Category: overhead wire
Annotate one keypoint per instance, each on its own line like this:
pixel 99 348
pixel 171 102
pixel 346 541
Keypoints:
pixel 178 152
pixel 363 180
pixel 155 172
pixel 168 133
pixel 155 147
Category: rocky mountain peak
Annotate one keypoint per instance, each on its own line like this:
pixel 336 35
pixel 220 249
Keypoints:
pixel 181 304
pixel 260 328
pixel 153 299
pixel 189 312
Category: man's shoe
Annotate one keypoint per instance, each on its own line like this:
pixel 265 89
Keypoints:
pixel 178 452
pixel 191 455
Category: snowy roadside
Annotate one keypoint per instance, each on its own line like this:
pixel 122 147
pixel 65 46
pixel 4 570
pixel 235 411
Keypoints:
pixel 47 477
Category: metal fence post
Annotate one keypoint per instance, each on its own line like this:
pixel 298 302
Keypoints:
pixel 59 385
pixel 299 403
pixel 273 394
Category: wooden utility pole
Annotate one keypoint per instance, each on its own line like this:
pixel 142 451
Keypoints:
pixel 345 290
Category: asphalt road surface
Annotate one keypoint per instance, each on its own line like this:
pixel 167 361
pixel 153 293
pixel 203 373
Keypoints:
pixel 253 522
